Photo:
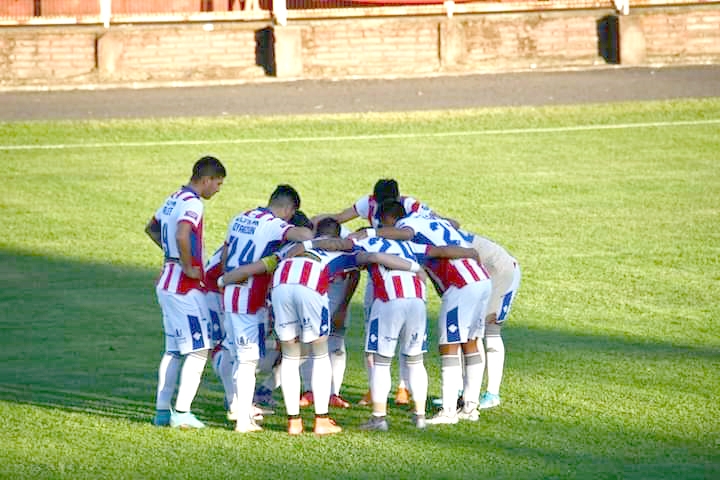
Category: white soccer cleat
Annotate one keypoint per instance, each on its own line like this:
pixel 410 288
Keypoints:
pixel 248 427
pixel 469 412
pixel 443 417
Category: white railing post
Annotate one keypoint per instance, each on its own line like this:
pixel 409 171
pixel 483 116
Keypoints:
pixel 105 12
pixel 280 12
pixel 449 7
pixel 622 6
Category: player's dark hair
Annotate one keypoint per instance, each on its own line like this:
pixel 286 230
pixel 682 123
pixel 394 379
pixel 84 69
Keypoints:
pixel 386 189
pixel 391 208
pixel 285 195
pixel 207 167
pixel 301 220
pixel 328 226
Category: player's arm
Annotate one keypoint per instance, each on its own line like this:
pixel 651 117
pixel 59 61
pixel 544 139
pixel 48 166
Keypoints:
pixel 342 217
pixel 452 251
pixel 243 272
pixel 152 229
pixel 184 230
pixel 387 260
pixel 298 234
pixel 391 233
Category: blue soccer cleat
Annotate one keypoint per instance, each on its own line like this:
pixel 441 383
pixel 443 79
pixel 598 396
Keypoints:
pixel 185 420
pixel 162 418
pixel 489 400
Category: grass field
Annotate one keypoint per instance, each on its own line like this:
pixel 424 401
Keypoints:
pixel 613 352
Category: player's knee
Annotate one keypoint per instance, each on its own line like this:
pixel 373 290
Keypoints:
pixel 319 348
pixel 381 361
pixel 493 330
pixel 413 359
pixel 200 354
pixel 291 350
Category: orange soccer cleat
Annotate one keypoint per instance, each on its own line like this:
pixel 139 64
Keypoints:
pixel 338 401
pixel 366 399
pixel 326 426
pixel 306 399
pixel 402 396
pixel 295 426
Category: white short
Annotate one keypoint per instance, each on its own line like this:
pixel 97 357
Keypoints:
pixel 186 321
pixel 403 321
pixel 247 332
pixel 215 307
pixel 299 312
pixel 462 313
pixel 504 288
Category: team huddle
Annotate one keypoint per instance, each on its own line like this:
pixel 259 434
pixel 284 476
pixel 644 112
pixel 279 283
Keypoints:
pixel 275 298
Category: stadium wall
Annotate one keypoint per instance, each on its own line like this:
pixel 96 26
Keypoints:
pixel 346 47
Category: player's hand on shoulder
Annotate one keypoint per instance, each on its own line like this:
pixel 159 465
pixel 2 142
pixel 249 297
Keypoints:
pixel 358 235
pixel 192 272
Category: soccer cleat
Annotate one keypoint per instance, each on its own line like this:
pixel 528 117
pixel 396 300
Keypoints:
pixel 489 400
pixel 419 420
pixel 402 396
pixel 295 426
pixel 306 399
pixel 443 417
pixel 469 412
pixel 326 426
pixel 338 401
pixel 263 396
pixel 185 420
pixel 366 399
pixel 162 418
pixel 248 427
pixel 378 424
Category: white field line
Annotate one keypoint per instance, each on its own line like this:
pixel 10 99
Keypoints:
pixel 381 136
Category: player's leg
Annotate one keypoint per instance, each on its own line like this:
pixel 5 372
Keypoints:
pixel 247 331
pixel 367 307
pixel 402 394
pixel 413 345
pixel 475 299
pixel 222 363
pixel 290 383
pixel 338 362
pixel 306 372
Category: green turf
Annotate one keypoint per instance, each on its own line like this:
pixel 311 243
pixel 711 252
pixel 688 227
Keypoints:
pixel 613 347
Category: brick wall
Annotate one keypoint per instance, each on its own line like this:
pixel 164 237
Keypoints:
pixel 681 35
pixel 45 54
pixel 179 52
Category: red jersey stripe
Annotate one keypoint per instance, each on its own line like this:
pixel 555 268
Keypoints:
pixel 472 271
pixel 305 274
pixel 418 286
pixel 397 285
pixel 169 276
pixel 285 272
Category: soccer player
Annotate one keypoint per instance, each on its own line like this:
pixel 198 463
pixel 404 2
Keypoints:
pixel 177 228
pixel 367 207
pixel 251 236
pixel 465 287
pixel 505 276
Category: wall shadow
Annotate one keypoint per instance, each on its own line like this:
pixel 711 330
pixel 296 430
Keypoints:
pixel 608 39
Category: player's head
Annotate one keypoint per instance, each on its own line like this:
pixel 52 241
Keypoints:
pixel 207 176
pixel 390 211
pixel 386 189
pixel 328 227
pixel 284 202
pixel 301 220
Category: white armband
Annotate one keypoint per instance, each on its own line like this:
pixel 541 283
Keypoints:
pixel 307 245
pixel 220 282
pixel 371 232
pixel 414 266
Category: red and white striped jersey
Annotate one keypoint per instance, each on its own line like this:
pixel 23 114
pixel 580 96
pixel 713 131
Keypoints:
pixel 429 229
pixel 251 236
pixel 314 269
pixel 367 207
pixel 182 206
pixel 393 284
pixel 213 271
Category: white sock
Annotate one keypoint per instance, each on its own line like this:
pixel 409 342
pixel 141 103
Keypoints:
pixel 418 383
pixel 403 373
pixel 338 361
pixel 321 372
pixel 495 363
pixel 381 382
pixel 223 366
pixel 167 379
pixel 306 373
pixel 190 377
pixel 451 374
pixel 369 366
pixel 290 381
pixel 474 369
pixel 244 381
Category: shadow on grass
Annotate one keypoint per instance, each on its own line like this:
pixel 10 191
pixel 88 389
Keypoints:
pixel 87 338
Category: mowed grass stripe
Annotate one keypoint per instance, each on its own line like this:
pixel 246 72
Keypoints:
pixel 382 136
